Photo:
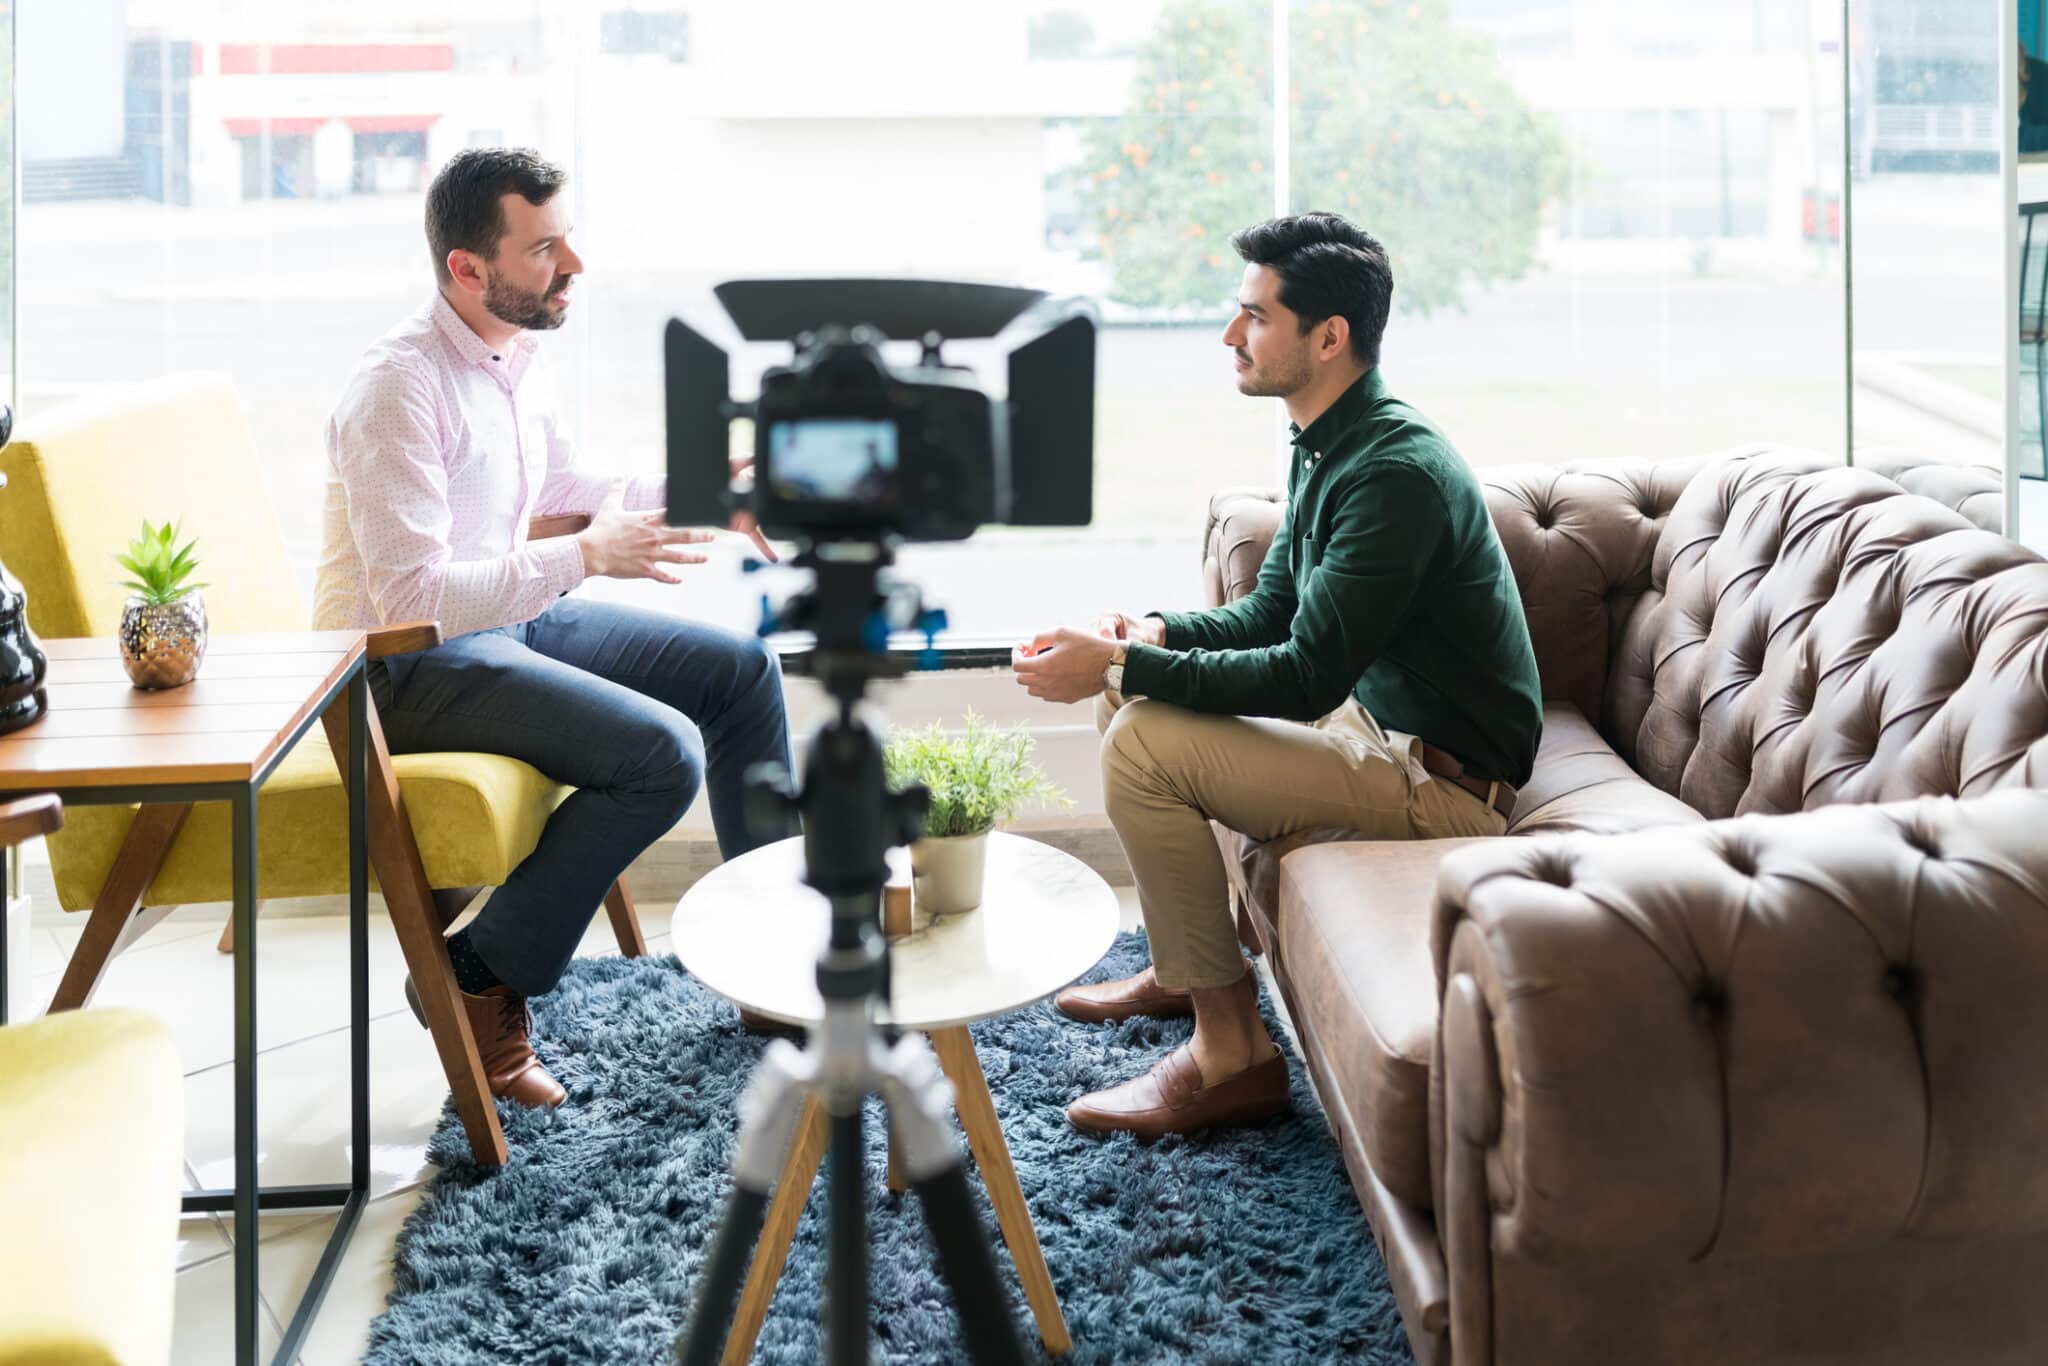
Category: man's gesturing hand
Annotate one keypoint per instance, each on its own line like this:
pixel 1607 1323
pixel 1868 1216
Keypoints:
pixel 1123 626
pixel 636 545
pixel 1064 665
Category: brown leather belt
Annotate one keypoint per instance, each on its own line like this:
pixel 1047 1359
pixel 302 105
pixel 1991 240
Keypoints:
pixel 1444 764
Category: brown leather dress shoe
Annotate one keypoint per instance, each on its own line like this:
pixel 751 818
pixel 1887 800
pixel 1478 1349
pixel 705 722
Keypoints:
pixel 503 1028
pixel 1140 995
pixel 1170 1099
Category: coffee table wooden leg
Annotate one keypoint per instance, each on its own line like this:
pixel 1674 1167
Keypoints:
pixel 897 1185
pixel 785 1208
pixel 985 1138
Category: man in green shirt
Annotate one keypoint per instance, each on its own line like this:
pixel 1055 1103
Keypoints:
pixel 1379 677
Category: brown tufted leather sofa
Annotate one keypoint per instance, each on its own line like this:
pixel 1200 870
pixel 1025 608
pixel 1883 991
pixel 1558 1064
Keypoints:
pixel 1685 1069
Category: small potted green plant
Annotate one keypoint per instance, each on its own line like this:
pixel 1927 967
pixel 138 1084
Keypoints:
pixel 978 777
pixel 163 623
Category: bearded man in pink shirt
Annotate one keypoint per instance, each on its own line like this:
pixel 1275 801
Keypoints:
pixel 443 445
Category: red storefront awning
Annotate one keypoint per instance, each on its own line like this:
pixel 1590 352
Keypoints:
pixel 278 128
pixel 392 123
pixel 331 59
pixel 304 125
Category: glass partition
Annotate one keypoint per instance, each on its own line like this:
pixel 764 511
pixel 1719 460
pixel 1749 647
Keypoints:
pixel 1928 273
pixel 7 201
pixel 1617 229
pixel 2030 373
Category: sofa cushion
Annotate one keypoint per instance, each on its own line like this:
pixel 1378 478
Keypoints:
pixel 475 817
pixel 1581 784
pixel 1353 943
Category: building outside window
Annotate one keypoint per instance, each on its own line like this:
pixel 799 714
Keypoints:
pixel 1616 229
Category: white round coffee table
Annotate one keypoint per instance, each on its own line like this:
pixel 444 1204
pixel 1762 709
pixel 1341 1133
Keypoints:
pixel 751 931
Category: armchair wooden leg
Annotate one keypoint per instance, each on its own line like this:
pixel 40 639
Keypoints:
pixel 118 916
pixel 226 942
pixel 618 904
pixel 416 919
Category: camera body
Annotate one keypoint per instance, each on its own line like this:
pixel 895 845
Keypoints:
pixel 848 447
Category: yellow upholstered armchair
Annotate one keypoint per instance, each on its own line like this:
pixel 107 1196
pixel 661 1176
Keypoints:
pixel 92 1133
pixel 442 826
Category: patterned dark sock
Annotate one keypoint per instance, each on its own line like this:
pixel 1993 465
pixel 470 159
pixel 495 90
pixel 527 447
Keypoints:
pixel 471 972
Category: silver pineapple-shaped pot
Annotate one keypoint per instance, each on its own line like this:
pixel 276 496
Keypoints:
pixel 162 644
pixel 163 623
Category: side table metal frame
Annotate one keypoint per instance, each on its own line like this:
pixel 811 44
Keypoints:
pixel 246 1198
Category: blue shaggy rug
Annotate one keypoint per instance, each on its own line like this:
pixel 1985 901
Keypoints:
pixel 1244 1246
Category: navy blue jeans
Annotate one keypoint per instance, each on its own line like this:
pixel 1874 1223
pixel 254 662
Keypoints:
pixel 634 709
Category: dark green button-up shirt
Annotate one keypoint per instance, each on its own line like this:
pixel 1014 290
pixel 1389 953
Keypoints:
pixel 1386 581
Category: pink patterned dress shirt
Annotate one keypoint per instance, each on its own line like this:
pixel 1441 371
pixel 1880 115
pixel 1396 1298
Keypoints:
pixel 438 454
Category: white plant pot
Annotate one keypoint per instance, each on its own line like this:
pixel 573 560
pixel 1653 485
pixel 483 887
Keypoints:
pixel 946 873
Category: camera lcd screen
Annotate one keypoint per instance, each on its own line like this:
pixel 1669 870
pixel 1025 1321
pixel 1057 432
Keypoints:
pixel 835 460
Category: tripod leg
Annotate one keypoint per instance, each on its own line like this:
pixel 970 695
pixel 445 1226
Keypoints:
pixel 920 1102
pixel 846 1291
pixel 985 1138
pixel 969 1268
pixel 792 1189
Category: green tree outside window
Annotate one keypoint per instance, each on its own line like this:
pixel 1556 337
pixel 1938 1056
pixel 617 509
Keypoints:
pixel 1400 120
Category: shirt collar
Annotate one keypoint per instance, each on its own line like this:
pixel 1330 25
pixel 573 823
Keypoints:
pixel 1350 405
pixel 468 344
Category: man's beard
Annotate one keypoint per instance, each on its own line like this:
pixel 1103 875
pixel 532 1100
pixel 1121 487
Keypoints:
pixel 1277 379
pixel 522 307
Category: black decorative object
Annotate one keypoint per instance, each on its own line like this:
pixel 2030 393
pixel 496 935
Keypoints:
pixel 22 662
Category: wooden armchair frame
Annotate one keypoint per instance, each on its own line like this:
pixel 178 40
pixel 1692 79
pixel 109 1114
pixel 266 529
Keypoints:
pixel 420 913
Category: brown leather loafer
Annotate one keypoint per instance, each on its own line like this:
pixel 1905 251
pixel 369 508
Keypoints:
pixel 1170 1099
pixel 1140 995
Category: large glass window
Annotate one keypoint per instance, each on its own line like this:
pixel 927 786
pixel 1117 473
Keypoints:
pixel 7 201
pixel 1932 313
pixel 1615 228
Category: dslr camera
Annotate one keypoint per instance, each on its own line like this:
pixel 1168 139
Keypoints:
pixel 848 447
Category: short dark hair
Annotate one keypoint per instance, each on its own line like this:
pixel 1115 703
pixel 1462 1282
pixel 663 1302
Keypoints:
pixel 463 212
pixel 1329 267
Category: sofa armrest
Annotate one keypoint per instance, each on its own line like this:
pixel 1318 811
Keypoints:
pixel 1240 527
pixel 1761 1036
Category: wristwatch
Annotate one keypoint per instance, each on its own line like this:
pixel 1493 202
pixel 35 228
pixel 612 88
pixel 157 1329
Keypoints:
pixel 1113 676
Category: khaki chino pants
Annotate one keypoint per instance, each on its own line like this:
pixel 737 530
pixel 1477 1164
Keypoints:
pixel 1167 772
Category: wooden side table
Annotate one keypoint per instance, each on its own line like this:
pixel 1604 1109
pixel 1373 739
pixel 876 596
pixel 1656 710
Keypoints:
pixel 751 931
pixel 218 739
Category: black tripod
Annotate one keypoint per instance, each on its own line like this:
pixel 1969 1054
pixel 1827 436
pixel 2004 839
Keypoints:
pixel 851 820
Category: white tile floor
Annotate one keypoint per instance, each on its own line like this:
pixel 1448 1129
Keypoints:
pixel 302 1093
